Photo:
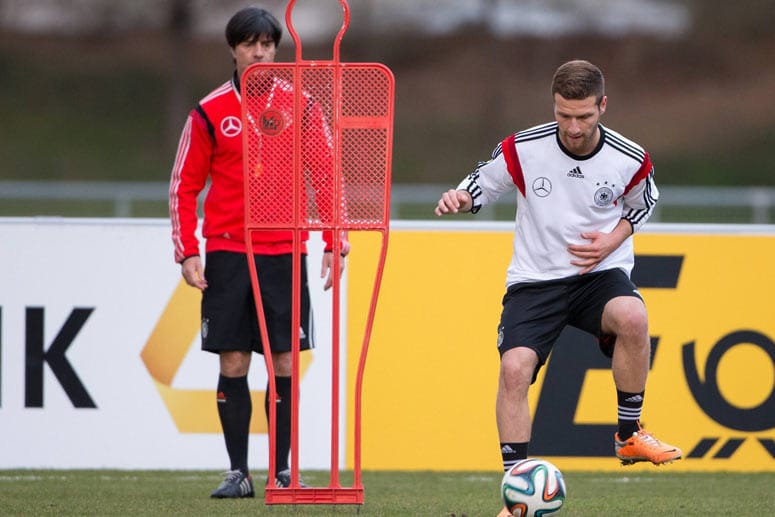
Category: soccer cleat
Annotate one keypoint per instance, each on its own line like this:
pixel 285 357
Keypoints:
pixel 234 485
pixel 505 513
pixel 283 479
pixel 643 446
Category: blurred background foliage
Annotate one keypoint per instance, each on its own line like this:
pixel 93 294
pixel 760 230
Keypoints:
pixel 103 94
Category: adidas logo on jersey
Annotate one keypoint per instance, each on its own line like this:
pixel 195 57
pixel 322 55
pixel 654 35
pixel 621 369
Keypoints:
pixel 575 173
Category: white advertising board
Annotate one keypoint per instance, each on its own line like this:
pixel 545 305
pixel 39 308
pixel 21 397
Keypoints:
pixel 79 302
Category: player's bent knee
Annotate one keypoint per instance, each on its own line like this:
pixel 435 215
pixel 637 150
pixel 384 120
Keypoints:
pixel 517 367
pixel 625 316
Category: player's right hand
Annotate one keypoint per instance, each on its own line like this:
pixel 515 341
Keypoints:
pixel 193 272
pixel 453 201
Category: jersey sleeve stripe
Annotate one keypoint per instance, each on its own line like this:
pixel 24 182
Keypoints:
pixel 645 169
pixel 538 131
pixel 471 185
pixel 623 146
pixel 637 217
pixel 638 157
pixel 509 147
pixel 183 147
pixel 210 128
pixel 498 150
pixel 222 89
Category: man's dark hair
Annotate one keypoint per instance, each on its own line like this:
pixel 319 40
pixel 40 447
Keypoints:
pixel 577 80
pixel 249 24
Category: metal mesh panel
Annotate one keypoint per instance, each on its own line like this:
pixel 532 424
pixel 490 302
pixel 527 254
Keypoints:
pixel 267 98
pixel 317 146
pixel 317 156
pixel 366 138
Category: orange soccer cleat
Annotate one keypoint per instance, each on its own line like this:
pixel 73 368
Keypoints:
pixel 643 446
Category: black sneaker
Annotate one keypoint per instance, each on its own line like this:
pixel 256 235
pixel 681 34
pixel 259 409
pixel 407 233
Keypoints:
pixel 235 484
pixel 283 479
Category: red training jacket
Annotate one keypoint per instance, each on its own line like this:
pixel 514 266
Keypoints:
pixel 211 146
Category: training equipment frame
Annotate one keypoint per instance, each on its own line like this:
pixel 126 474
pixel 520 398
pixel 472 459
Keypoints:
pixel 327 148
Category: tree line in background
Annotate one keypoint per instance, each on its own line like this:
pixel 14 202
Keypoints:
pixel 110 103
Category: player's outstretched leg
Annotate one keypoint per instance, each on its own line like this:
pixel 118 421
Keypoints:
pixel 643 446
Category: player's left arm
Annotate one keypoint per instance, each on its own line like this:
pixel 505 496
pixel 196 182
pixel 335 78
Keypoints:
pixel 320 145
pixel 327 265
pixel 638 201
pixel 600 245
pixel 640 196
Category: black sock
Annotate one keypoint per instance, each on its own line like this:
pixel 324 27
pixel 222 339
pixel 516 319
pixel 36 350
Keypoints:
pixel 283 431
pixel 513 452
pixel 628 410
pixel 235 409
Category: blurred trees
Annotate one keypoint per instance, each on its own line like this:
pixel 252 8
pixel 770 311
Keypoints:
pixel 178 69
pixel 749 20
pixel 110 101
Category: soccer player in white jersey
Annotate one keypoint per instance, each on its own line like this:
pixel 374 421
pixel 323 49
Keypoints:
pixel 582 191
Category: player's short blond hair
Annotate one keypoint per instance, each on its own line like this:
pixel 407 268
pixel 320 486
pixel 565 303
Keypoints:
pixel 578 79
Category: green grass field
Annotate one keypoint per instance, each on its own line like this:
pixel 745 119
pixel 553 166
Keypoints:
pixel 625 493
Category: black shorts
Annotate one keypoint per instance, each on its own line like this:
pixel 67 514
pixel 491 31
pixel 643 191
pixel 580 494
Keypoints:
pixel 229 317
pixel 534 314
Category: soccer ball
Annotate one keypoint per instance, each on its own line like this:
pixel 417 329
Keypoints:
pixel 532 488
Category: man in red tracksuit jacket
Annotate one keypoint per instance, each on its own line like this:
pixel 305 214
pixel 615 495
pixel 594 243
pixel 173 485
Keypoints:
pixel 211 148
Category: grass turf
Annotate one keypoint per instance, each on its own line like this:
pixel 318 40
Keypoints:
pixel 111 492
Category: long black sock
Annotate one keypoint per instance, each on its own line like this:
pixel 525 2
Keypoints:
pixel 512 452
pixel 629 408
pixel 283 432
pixel 235 409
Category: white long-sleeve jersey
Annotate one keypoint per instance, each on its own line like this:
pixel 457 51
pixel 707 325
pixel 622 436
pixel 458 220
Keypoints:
pixel 560 195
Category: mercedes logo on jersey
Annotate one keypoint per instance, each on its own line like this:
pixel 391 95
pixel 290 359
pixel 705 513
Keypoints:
pixel 231 126
pixel 542 187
